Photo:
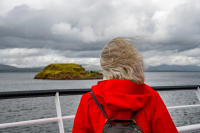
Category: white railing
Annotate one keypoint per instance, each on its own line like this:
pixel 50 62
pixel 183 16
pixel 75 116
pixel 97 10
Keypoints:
pixel 60 118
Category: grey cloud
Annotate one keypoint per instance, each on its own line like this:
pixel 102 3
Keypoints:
pixel 81 28
pixel 28 57
pixel 33 27
pixel 24 27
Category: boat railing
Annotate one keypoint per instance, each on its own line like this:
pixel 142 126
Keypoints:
pixel 64 92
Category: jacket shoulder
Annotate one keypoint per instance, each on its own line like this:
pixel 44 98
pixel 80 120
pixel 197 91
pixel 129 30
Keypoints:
pixel 149 89
pixel 86 97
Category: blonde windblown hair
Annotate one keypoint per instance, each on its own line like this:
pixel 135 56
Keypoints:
pixel 120 60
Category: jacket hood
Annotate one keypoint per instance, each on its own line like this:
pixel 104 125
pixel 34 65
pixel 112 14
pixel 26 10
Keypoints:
pixel 116 94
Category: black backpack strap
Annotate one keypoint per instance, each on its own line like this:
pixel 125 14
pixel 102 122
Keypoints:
pixel 99 105
pixel 134 114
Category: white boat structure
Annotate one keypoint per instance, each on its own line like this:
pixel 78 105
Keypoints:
pixel 57 92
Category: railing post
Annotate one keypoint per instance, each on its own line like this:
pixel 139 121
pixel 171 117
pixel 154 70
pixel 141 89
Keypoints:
pixel 198 92
pixel 59 113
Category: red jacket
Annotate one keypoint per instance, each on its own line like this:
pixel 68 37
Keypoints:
pixel 120 98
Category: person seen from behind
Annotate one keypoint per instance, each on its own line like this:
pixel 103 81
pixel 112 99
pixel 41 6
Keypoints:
pixel 122 92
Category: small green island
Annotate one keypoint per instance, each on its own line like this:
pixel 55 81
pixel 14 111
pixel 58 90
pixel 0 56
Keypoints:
pixel 67 71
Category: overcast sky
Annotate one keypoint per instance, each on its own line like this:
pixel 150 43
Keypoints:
pixel 40 32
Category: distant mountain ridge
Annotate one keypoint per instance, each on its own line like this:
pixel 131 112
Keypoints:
pixel 97 68
pixel 89 67
pixel 173 68
pixel 160 68
pixel 8 68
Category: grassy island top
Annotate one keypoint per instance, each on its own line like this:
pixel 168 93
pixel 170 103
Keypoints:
pixel 66 71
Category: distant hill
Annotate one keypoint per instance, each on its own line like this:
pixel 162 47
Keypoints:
pixel 67 71
pixel 89 67
pixel 160 68
pixel 173 68
pixel 8 68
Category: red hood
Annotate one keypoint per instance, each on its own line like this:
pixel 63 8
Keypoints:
pixel 116 94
